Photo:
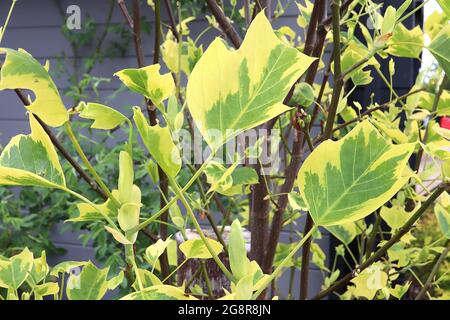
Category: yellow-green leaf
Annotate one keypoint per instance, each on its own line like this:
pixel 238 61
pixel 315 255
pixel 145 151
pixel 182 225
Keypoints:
pixel 21 71
pixel 442 212
pixel 154 251
pixel 231 91
pixel 196 249
pixel 369 281
pixel 149 82
pixel 90 284
pixel 440 48
pixel 159 143
pixel 14 272
pixel 395 217
pixel 348 179
pixel 105 118
pixel 31 160
pixel 237 251
pixel 160 292
pixel 406 43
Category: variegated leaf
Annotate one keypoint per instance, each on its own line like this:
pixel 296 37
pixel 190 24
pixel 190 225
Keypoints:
pixel 105 118
pixel 148 82
pixel 31 160
pixel 346 180
pixel 231 91
pixel 21 71
pixel 159 143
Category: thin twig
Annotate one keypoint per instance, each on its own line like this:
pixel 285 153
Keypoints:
pixel 382 251
pixel 225 25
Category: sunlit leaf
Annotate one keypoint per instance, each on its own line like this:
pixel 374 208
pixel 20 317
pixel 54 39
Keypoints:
pixel 231 91
pixel 440 48
pixel 159 143
pixel 196 249
pixel 21 71
pixel 31 160
pixel 406 43
pixel 149 82
pixel 347 180
pixel 104 117
pixel 90 284
pixel 14 272
pixel 160 292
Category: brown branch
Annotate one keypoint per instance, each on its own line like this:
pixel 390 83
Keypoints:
pixel 173 25
pixel 126 14
pixel 395 238
pixel 225 25
pixel 58 145
pixel 339 83
pixel 163 182
pixel 293 167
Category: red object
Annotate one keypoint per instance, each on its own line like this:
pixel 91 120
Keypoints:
pixel 445 122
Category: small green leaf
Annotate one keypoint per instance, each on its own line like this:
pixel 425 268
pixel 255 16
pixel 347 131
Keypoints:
pixel 154 251
pixel 303 94
pixel 114 282
pixel 159 143
pixel 389 20
pixel 105 118
pixel 395 217
pixel 196 249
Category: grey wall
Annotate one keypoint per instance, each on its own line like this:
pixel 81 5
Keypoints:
pixel 36 27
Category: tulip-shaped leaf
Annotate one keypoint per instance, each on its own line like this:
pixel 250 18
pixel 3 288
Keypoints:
pixel 31 160
pixel 159 143
pixel 347 180
pixel 148 82
pixel 21 71
pixel 231 91
pixel 105 118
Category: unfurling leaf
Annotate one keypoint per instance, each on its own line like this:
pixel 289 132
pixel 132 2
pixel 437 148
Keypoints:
pixel 31 160
pixel 159 143
pixel 153 252
pixel 347 180
pixel 128 216
pixel 21 71
pixel 105 118
pixel 126 177
pixel 148 82
pixel 231 91
pixel 237 251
